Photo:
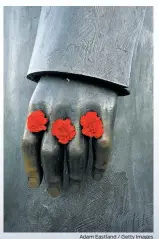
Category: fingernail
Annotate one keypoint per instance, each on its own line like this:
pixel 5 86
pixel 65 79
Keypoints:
pixel 54 191
pixel 75 187
pixel 97 176
pixel 33 182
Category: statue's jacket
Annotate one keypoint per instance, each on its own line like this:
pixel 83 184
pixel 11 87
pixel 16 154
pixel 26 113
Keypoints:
pixel 96 42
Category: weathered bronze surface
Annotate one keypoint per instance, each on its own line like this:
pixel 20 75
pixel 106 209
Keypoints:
pixel 122 201
pixel 66 98
pixel 92 41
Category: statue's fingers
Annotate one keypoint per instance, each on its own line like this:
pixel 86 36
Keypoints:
pixel 102 146
pixel 77 157
pixel 52 155
pixel 31 154
pixel 36 123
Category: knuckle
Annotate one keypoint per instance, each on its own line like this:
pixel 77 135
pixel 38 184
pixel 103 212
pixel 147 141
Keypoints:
pixel 32 172
pixel 28 143
pixel 76 151
pixel 52 179
pixel 104 142
pixel 49 150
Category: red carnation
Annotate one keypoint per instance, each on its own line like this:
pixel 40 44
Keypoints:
pixel 92 125
pixel 36 121
pixel 63 130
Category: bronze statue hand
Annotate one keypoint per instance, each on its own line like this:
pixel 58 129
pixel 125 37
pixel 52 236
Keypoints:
pixel 65 98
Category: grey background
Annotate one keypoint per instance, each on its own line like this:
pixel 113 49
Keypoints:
pixel 123 200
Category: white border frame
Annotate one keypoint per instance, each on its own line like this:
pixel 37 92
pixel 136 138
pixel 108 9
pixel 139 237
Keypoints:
pixel 156 112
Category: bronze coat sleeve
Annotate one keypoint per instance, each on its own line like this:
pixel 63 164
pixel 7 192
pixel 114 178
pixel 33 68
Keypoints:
pixel 97 42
